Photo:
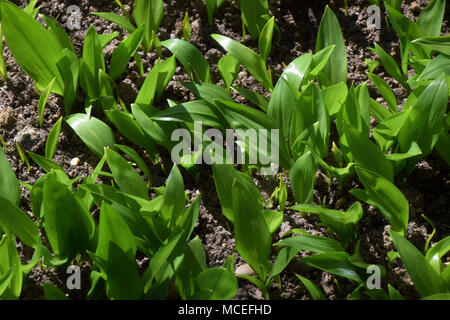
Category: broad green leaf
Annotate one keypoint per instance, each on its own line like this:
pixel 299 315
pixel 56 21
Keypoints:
pixel 25 38
pixel 265 39
pixel 160 132
pixel 211 6
pixel 69 68
pixel 46 164
pixel 16 222
pixel 228 68
pixel 125 175
pixel 330 33
pixel 190 57
pixel 334 262
pixel 430 19
pixel 9 185
pixel 386 197
pixel 11 276
pixel 173 199
pixel 106 38
pixel 68 224
pixel 194 262
pixel 390 65
pixel 311 243
pixel 441 44
pixel 367 154
pixel 196 110
pixel 59 33
pixel 117 19
pixel 149 13
pixel 385 91
pixel 253 13
pixel 130 129
pixel 52 140
pixel 96 134
pixel 215 284
pixel 114 230
pixel 334 97
pixel 425 279
pixel 136 158
pixel 386 132
pixel 302 177
pixel 52 292
pixel 274 219
pixel 224 176
pixel 253 62
pixel 208 91
pixel 253 239
pixel 439 65
pixel 91 62
pixel 425 120
pixel 124 52
pixel 253 97
pixel 315 292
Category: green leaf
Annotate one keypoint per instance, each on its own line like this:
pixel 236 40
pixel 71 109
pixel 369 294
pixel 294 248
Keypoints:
pixel 59 33
pixel 430 18
pixel 253 239
pixel 265 39
pixel 311 243
pixel 130 129
pixel 441 44
pixel 385 91
pixel 25 38
pixel 160 132
pixel 215 284
pixel 302 177
pixel 91 62
pixel 425 279
pixel 334 262
pixel 224 175
pixel 211 6
pixel 173 199
pixel 228 68
pixel 190 57
pixel 106 38
pixel 253 13
pixel 439 65
pixel 11 276
pixel 186 27
pixel 9 185
pixel 367 154
pixel 315 292
pixel 425 120
pixel 125 175
pixel 52 140
pixel 68 224
pixel 14 221
pixel 149 13
pixel 52 292
pixel 117 19
pixel 69 67
pixel 329 34
pixel 46 164
pixel 390 65
pixel 124 52
pixel 334 97
pixel 136 158
pixel 253 97
pixel 253 62
pixel 386 197
pixel 96 134
pixel 156 81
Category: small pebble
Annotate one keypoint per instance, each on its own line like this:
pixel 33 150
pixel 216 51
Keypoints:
pixel 75 162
